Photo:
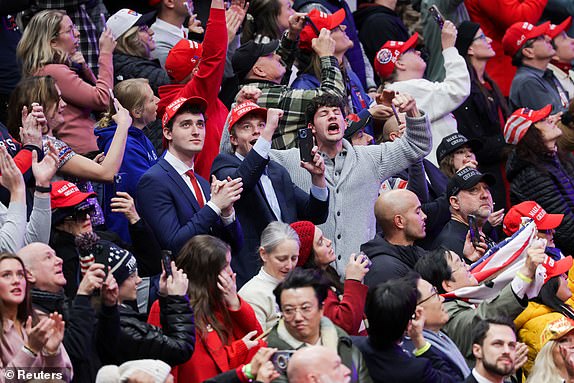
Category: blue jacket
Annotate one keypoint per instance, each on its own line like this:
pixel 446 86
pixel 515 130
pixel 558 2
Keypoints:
pixel 169 207
pixel 359 98
pixel 139 156
pixel 253 209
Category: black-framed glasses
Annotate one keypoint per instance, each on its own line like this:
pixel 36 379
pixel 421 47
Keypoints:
pixel 433 294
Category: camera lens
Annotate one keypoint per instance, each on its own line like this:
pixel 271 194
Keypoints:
pixel 303 133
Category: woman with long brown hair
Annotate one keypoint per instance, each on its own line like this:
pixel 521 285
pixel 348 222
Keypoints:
pixel 225 325
pixel 26 340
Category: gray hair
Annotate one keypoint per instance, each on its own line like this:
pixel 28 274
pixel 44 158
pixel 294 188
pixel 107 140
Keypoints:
pixel 275 233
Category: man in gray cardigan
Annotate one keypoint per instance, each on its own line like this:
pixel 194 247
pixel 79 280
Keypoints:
pixel 354 173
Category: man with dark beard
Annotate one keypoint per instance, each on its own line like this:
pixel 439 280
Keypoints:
pixel 494 347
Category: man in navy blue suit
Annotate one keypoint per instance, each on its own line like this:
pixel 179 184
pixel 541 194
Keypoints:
pixel 177 203
pixel 269 193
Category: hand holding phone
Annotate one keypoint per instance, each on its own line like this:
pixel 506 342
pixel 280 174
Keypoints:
pixel 166 262
pixel 473 228
pixel 305 139
pixel 386 98
pixel 437 16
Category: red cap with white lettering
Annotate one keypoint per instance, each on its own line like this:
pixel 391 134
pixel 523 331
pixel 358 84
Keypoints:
pixel 530 209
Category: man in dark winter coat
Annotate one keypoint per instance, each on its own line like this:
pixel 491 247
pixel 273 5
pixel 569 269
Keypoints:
pixel 83 339
pixel 392 251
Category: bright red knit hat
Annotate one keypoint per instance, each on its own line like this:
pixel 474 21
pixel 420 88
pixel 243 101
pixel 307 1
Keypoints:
pixel 306 232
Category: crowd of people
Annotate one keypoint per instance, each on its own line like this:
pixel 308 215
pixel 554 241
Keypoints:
pixel 308 191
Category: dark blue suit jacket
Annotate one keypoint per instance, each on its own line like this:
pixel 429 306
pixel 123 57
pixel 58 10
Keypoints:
pixel 254 210
pixel 169 207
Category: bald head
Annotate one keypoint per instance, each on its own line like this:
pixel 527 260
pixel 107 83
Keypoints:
pixel 43 266
pixel 398 213
pixel 317 364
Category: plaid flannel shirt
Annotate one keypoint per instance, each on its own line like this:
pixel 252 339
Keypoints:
pixel 76 9
pixel 293 102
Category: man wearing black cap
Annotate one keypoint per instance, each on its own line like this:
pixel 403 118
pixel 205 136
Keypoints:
pixel 468 194
pixel 259 65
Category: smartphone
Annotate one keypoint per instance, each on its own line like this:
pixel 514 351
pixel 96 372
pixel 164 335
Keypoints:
pixel 280 360
pixel 166 261
pixel 436 15
pixel 305 138
pixel 312 25
pixel 112 101
pixel 120 182
pixel 473 228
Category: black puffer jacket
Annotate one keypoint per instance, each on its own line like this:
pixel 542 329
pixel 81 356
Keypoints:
pixel 126 67
pixel 549 182
pixel 173 343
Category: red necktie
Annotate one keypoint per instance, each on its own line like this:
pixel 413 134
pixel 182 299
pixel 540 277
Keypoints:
pixel 196 188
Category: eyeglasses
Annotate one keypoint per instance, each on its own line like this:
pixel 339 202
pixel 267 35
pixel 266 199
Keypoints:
pixel 290 312
pixel 434 294
pixel 81 214
pixel 70 30
pixel 482 36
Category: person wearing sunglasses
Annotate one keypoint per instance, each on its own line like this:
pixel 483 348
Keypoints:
pixel 71 213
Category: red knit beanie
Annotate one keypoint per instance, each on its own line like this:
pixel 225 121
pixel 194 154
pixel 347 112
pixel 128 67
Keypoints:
pixel 306 232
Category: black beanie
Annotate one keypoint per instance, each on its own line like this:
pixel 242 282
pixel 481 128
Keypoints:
pixel 465 36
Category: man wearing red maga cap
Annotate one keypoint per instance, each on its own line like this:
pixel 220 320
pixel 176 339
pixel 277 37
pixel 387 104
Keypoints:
pixel 402 69
pixel 531 51
pixel 561 62
pixel 197 70
pixel 176 202
pixel 269 194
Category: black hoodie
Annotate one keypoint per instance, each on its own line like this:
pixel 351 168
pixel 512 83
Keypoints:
pixel 377 25
pixel 389 261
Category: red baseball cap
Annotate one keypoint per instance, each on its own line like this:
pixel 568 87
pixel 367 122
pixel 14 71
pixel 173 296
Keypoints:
pixel 554 30
pixel 173 107
pixel 518 123
pixel 321 20
pixel 183 58
pixel 555 268
pixel 387 56
pixel 519 33
pixel 530 209
pixel 241 110
pixel 67 194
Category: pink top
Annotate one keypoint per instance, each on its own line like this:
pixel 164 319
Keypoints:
pixel 82 98
pixel 12 354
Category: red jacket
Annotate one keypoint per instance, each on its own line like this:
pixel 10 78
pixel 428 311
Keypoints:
pixel 348 312
pixel 495 16
pixel 211 356
pixel 205 83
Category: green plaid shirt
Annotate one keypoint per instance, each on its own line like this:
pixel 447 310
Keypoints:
pixel 294 101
